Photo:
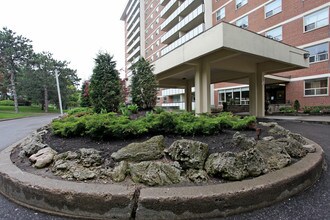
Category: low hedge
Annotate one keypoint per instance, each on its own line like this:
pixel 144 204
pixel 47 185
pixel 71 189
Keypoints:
pixel 112 125
pixel 7 102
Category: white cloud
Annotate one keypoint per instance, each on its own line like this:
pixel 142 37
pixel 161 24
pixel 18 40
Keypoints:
pixel 73 30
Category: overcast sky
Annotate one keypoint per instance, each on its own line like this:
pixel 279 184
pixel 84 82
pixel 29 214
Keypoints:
pixel 72 30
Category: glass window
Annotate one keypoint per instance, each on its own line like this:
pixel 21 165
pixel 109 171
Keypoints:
pixel 273 8
pixel 221 14
pixel 243 22
pixel 316 20
pixel 318 52
pixel 316 87
pixel 275 33
pixel 240 3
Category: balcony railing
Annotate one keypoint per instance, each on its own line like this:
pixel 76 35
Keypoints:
pixel 129 58
pixel 134 27
pixel 191 34
pixel 168 7
pixel 137 40
pixel 176 13
pixel 131 39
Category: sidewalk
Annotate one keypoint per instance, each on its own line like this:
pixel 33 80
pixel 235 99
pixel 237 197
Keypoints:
pixel 310 118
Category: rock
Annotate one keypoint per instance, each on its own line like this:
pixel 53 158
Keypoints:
pixel 244 142
pixel 278 130
pixel 33 143
pixel 234 166
pixel 255 164
pixel 90 157
pixel 43 157
pixel 155 173
pixel 274 154
pixel 190 154
pixel 268 124
pixel 293 147
pixel 151 149
pixel 68 155
pixel 268 138
pixel 310 148
pixel 83 174
pixel 119 172
pixel 297 137
pixel 197 176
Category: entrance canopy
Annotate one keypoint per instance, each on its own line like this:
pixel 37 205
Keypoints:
pixel 227 53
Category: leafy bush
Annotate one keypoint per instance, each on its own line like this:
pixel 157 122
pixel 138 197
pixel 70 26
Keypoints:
pixel 287 110
pixel 7 102
pixel 110 125
pixel 80 111
pixel 133 108
pixel 316 109
pixel 159 110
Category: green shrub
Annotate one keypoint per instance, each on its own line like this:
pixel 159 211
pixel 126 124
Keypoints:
pixel 133 108
pixel 159 110
pixel 7 102
pixel 287 110
pixel 81 111
pixel 111 125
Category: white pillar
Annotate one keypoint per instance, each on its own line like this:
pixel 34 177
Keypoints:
pixel 257 94
pixel 202 88
pixel 188 99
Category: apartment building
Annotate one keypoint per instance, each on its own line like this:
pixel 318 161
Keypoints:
pixel 156 28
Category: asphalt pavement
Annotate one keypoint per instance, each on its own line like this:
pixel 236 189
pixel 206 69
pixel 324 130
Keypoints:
pixel 313 203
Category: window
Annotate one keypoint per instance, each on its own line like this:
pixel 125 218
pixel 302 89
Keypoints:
pixel 316 20
pixel 316 87
pixel 318 52
pixel 240 3
pixel 275 34
pixel 273 8
pixel 243 22
pixel 220 14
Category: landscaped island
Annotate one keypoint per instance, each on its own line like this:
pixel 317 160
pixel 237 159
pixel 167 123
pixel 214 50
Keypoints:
pixel 159 148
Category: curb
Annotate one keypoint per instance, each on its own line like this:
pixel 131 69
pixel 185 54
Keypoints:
pixel 115 201
pixel 294 120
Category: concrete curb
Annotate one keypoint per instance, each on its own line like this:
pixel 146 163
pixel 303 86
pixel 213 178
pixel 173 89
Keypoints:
pixel 115 201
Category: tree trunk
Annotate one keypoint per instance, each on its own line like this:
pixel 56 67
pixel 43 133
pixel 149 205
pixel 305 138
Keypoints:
pixel 46 99
pixel 13 87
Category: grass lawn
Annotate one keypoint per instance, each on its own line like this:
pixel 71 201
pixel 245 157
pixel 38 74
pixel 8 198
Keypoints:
pixel 8 112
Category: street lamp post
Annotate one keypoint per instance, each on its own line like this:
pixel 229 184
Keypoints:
pixel 59 92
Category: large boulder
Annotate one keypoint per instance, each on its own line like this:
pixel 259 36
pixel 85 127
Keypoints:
pixel 83 164
pixel 225 165
pixel 33 143
pixel 294 148
pixel 90 157
pixel 274 154
pixel 278 130
pixel 236 166
pixel 297 137
pixel 242 141
pixel 155 173
pixel 43 157
pixel 190 154
pixel 151 149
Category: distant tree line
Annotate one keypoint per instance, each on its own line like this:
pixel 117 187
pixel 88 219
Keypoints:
pixel 29 77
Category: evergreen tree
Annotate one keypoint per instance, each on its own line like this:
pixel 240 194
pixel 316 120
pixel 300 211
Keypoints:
pixel 105 87
pixel 85 97
pixel 15 53
pixel 144 85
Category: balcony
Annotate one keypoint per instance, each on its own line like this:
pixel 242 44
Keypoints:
pixel 188 36
pixel 192 20
pixel 132 38
pixel 133 54
pixel 164 2
pixel 133 45
pixel 169 8
pixel 182 11
pixel 132 19
pixel 133 28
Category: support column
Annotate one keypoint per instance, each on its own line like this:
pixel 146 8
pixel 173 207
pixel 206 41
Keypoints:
pixel 257 94
pixel 202 88
pixel 188 100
